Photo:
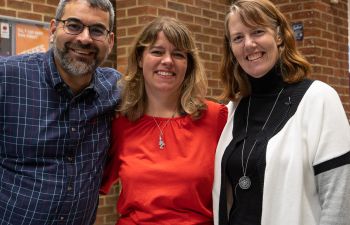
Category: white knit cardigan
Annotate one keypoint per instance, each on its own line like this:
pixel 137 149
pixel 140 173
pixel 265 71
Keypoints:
pixel 318 132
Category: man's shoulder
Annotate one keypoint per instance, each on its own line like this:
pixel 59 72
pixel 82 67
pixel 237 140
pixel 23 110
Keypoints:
pixel 106 82
pixel 33 58
pixel 24 64
pixel 108 72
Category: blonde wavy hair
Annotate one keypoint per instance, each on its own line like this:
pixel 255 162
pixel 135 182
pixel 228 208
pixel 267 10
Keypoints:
pixel 194 87
pixel 294 67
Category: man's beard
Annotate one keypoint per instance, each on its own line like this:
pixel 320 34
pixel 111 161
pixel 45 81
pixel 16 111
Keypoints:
pixel 76 67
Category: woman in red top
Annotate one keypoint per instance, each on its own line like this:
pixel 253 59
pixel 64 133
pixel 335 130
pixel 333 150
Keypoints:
pixel 164 141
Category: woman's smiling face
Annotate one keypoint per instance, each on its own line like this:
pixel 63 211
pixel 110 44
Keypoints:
pixel 164 67
pixel 255 48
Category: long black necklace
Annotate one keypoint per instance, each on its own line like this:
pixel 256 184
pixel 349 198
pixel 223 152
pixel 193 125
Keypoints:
pixel 245 181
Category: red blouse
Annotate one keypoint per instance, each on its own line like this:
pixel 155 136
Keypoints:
pixel 165 186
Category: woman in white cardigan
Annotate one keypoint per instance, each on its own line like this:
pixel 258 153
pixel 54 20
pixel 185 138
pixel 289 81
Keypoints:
pixel 284 155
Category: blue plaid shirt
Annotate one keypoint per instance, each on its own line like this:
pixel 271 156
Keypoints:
pixel 52 144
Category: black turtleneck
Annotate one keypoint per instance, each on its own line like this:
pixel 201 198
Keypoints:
pixel 247 205
pixel 270 83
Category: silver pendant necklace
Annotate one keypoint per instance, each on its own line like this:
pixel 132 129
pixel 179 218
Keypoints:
pixel 245 182
pixel 161 141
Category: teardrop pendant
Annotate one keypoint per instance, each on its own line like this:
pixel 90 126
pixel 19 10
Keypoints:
pixel 161 142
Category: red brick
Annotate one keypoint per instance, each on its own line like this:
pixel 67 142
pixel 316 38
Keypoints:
pixel 203 4
pixel 185 17
pixel 125 3
pixel 186 2
pixel 158 3
pixel 204 56
pixel 210 14
pixel 30 16
pixel 119 13
pixel 132 31
pixel 145 19
pixel 44 9
pixel 176 6
pixel 8 12
pixel 19 5
pixel 52 2
pixel 193 10
pixel 166 12
pixel 124 22
pixel 202 38
pixel 142 10
pixel 203 21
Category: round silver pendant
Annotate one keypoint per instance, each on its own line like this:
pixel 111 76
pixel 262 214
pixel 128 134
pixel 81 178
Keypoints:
pixel 244 182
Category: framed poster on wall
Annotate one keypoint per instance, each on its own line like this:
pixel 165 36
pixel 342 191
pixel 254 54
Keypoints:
pixel 18 36
pixel 31 38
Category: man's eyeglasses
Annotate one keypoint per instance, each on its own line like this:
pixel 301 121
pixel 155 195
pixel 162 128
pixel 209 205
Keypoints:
pixel 74 26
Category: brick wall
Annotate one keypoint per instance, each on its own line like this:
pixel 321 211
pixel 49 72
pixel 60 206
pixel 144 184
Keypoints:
pixel 325 41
